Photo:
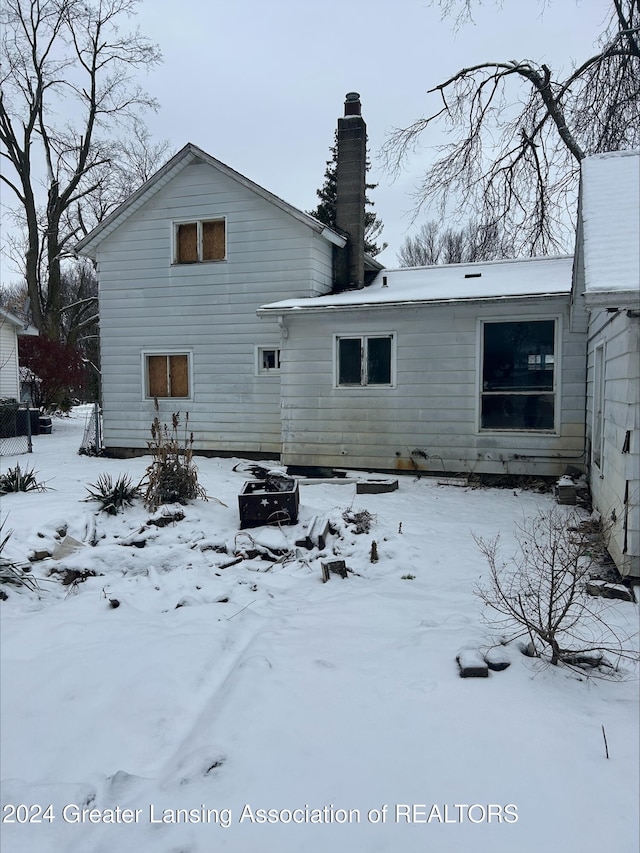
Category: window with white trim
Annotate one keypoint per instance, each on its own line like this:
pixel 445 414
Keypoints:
pixel 364 360
pixel 167 374
pixel 199 241
pixel 267 360
pixel 518 375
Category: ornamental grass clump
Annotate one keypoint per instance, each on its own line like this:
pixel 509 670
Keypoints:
pixel 17 480
pixel 10 572
pixel 111 496
pixel 171 477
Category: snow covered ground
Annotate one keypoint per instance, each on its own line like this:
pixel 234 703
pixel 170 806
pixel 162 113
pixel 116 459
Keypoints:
pixel 210 696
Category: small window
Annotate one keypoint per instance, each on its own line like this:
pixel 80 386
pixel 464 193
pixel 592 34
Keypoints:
pixel 267 360
pixel 167 375
pixel 196 242
pixel 364 360
pixel 518 376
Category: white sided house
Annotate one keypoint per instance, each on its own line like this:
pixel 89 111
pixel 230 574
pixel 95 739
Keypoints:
pixel 183 265
pixel 11 328
pixel 607 281
pixel 219 299
pixel 469 368
pixel 280 338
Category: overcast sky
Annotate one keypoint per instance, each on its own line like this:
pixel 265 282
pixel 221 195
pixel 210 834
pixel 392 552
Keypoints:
pixel 259 84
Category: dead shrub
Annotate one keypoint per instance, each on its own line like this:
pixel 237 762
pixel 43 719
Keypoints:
pixel 171 477
pixel 360 521
pixel 541 592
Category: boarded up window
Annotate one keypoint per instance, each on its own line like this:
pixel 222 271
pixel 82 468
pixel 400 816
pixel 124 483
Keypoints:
pixel 187 237
pixel 518 376
pixel 213 241
pixel 168 375
pixel 157 373
pixel 365 360
pixel 178 376
pixel 200 241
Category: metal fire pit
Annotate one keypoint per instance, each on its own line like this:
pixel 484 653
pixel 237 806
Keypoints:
pixel 271 501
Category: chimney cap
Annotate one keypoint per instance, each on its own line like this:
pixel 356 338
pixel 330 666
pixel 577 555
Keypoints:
pixel 352 105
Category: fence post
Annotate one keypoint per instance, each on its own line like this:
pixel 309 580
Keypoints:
pixel 29 441
pixel 96 415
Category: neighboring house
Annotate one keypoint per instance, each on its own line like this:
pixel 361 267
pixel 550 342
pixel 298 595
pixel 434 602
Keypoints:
pixel 607 281
pixel 11 327
pixel 474 368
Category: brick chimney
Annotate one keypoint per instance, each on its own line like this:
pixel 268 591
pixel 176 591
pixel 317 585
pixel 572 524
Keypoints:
pixel 350 194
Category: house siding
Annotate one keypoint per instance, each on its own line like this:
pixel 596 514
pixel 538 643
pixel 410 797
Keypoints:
pixel 9 380
pixel 207 309
pixel 428 421
pixel 615 484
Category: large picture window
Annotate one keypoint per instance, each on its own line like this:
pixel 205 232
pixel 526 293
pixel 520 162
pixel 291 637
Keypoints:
pixel 518 376
pixel 364 360
pixel 200 241
pixel 167 375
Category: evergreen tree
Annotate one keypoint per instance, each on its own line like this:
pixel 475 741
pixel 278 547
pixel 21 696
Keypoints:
pixel 325 212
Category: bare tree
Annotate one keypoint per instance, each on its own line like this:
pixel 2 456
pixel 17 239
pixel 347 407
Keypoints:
pixel 66 92
pixel 423 248
pixel 541 592
pixel 519 132
pixel 434 245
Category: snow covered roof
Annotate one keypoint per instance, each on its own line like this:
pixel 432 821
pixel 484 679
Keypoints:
pixel 22 327
pixel 611 221
pixel 512 279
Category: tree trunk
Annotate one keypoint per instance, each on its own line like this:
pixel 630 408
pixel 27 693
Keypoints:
pixel 54 284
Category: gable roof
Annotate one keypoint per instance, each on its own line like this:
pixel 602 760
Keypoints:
pixel 489 280
pixel 8 317
pixel 186 156
pixel 21 327
pixel 610 220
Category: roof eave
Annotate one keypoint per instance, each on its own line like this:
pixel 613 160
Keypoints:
pixel 370 263
pixel 10 318
pixel 612 299
pixel 268 311
pixel 22 327
pixel 27 331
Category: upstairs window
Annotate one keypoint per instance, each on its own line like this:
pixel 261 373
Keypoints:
pixel 364 360
pixel 167 375
pixel 200 241
pixel 518 376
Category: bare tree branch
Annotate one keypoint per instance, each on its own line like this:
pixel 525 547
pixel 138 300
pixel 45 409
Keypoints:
pixel 517 134
pixel 67 89
pixel 541 590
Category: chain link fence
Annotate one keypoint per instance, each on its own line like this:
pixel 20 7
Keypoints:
pixel 92 444
pixel 18 423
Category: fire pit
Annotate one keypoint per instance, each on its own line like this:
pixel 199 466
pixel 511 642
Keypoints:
pixel 274 500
